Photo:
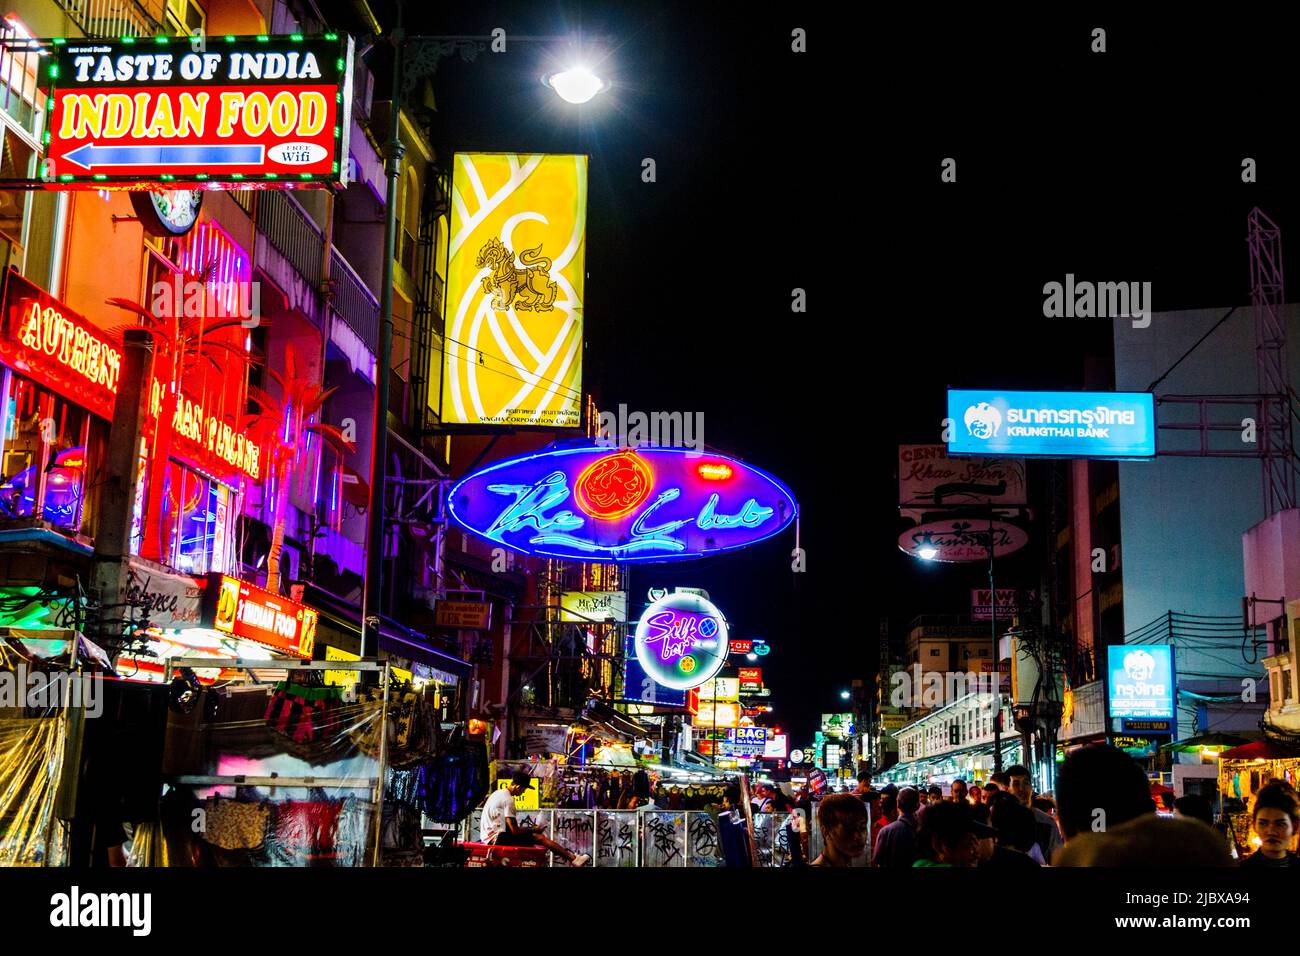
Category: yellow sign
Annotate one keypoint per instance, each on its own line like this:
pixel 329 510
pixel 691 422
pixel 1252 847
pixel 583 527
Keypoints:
pixel 515 286
pixel 530 799
pixel 720 688
pixel 717 714
pixel 340 677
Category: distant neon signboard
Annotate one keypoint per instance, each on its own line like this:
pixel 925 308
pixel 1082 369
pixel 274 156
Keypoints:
pixel 1141 681
pixel 681 641
pixel 742 647
pixel 584 502
pixel 243 111
pixel 1052 424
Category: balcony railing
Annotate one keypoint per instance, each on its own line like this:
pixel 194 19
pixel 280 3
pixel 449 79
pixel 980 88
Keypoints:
pixel 352 301
pixel 291 232
pixel 111 18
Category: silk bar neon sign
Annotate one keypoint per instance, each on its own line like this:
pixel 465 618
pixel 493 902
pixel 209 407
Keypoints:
pixel 591 503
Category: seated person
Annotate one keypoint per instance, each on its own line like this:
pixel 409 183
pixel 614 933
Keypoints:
pixel 500 824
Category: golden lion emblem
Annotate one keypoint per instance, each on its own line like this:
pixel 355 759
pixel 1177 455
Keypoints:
pixel 528 289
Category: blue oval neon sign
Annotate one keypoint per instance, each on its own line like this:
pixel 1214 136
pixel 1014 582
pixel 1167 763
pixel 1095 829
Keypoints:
pixel 593 503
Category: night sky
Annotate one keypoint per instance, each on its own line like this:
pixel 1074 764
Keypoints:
pixel 821 171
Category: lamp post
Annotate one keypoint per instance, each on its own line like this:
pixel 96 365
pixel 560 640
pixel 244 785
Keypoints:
pixel 414 59
pixel 928 552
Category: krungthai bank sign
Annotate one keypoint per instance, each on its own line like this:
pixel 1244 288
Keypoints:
pixel 1052 424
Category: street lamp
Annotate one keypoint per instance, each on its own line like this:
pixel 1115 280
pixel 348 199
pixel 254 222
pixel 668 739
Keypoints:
pixel 845 695
pixel 927 551
pixel 576 85
pixel 751 656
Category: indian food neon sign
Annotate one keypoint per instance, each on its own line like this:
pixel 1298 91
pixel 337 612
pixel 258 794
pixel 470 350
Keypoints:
pixel 592 503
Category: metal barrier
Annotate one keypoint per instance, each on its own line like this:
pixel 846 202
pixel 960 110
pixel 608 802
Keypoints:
pixel 649 838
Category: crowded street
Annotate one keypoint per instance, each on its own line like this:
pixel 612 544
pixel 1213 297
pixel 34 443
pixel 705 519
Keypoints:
pixel 446 445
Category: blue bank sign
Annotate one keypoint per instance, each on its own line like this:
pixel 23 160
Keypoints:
pixel 1141 681
pixel 1052 424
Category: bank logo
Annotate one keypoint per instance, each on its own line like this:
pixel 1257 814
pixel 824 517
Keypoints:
pixel 1139 665
pixel 983 421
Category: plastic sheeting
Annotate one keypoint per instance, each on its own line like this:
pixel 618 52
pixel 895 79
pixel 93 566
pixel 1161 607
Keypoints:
pixel 39 718
pixel 299 732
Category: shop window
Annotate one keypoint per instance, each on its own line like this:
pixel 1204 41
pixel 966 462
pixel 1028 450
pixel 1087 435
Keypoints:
pixel 43 456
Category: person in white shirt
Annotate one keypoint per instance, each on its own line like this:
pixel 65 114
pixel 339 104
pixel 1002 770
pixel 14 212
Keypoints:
pixel 500 824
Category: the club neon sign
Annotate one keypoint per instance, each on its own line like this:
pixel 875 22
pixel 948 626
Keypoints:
pixel 591 503
pixel 681 641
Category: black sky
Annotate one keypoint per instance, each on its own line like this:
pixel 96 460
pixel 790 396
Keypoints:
pixel 821 171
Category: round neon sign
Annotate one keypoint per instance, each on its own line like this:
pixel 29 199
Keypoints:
pixel 681 641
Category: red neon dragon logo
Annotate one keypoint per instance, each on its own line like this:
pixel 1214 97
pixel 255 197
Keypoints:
pixel 613 486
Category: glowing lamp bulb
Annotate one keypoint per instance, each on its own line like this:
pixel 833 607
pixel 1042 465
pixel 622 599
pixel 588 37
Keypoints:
pixel 927 552
pixel 575 85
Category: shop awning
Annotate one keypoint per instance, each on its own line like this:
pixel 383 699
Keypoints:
pixel 344 620
pixel 613 724
pixel 1261 750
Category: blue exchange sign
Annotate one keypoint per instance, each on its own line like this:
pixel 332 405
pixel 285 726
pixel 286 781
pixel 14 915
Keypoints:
pixel 1052 424
pixel 1141 682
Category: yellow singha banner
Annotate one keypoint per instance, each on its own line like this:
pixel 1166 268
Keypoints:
pixel 517 260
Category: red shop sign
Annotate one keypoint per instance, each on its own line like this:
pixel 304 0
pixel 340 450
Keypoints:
pixel 741 647
pixel 244 610
pixel 751 676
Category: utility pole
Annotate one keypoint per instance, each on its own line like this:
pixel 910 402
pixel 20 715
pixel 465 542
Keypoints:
pixel 371 600
pixel 113 536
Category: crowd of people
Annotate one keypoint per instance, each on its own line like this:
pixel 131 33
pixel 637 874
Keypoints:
pixel 1103 814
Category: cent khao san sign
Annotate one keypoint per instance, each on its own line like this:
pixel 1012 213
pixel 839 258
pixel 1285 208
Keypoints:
pixel 1052 424
pixel 236 111
pixel 589 503
pixel 681 641
pixel 244 610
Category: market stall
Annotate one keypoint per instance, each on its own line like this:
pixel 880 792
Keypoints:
pixel 1243 771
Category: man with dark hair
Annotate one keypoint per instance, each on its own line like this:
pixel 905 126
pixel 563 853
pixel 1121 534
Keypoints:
pixel 896 847
pixel 958 791
pixel 999 780
pixel 935 794
pixel 1196 807
pixel 842 819
pixel 864 784
pixel 1099 787
pixel 1016 831
pixel 953 834
pixel 500 826
pixel 1275 816
pixel 1048 834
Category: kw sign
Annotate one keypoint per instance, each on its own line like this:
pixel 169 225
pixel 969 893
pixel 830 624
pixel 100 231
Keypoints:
pixel 237 111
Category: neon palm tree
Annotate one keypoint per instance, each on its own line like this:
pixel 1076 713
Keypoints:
pixel 285 425
pixel 181 343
